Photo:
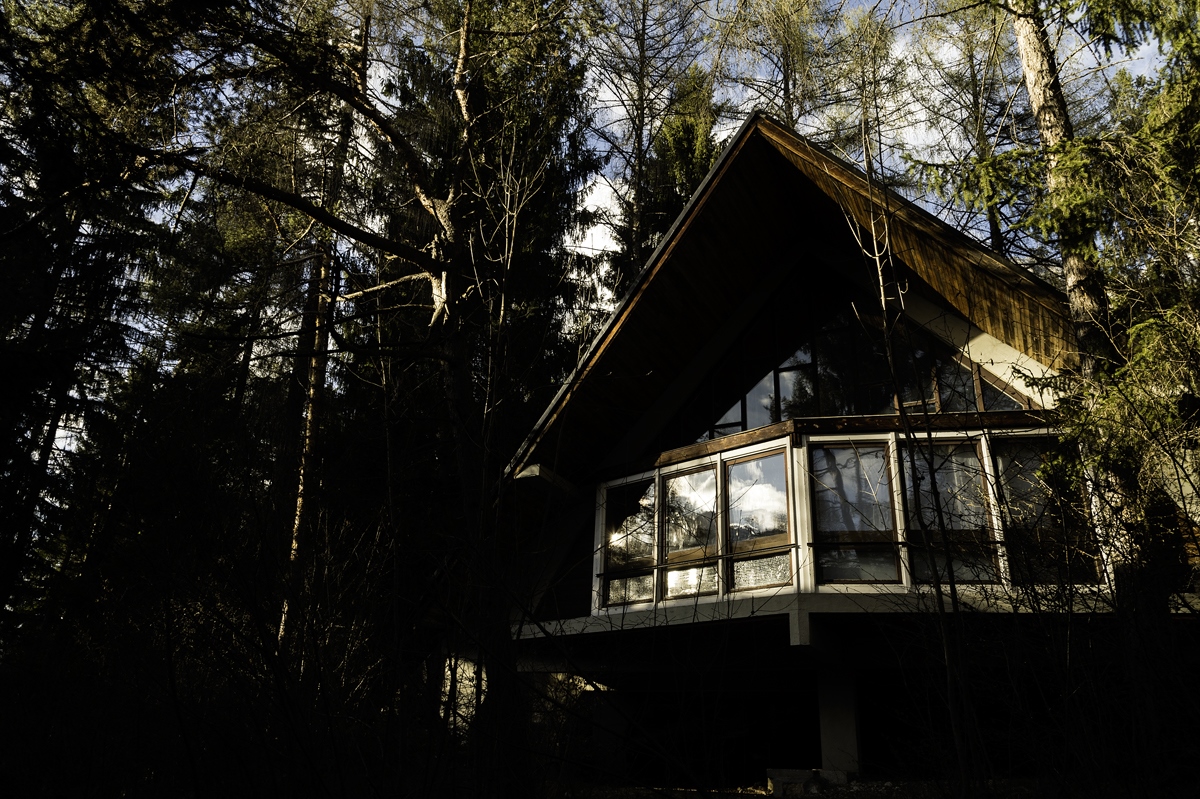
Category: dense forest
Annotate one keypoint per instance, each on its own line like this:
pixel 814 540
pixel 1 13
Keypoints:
pixel 286 283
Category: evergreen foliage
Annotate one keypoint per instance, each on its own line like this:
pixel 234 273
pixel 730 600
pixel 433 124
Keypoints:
pixel 286 284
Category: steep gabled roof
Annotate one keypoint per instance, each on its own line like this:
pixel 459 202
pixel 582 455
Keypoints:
pixel 774 203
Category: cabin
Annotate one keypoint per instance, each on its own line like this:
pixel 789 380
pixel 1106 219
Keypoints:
pixel 817 420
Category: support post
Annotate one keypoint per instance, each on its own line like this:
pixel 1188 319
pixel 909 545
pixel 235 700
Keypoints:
pixel 838 707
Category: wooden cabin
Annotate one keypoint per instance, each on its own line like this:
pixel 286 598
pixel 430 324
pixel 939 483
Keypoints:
pixel 819 413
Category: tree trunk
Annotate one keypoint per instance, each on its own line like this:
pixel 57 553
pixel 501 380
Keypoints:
pixel 307 478
pixel 1086 297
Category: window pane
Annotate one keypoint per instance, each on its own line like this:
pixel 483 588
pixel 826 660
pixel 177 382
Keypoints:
pixel 972 563
pixel 863 563
pixel 629 525
pixel 956 388
pixel 691 582
pixel 731 422
pixel 851 493
pixel 852 369
pixel 801 357
pixel 799 389
pixel 623 590
pixel 947 490
pixel 948 514
pixel 1024 498
pixel 760 572
pixel 996 400
pixel 917 377
pixel 758 515
pixel 691 510
pixel 760 403
pixel 1046 536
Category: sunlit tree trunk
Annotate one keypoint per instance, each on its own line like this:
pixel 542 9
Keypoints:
pixel 1085 282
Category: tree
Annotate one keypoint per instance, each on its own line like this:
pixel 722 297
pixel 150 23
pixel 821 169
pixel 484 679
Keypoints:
pixel 784 51
pixel 76 221
pixel 979 124
pixel 640 53
pixel 361 243
pixel 1064 170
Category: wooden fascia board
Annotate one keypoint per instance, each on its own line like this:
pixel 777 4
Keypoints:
pixel 915 230
pixel 815 163
pixel 856 425
pixel 601 344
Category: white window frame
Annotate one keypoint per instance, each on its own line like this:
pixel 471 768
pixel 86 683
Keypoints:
pixel 894 441
pixel 797 452
pixel 904 583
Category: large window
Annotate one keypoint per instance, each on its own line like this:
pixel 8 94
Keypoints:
pixel 854 526
pixel 972 510
pixel 870 510
pixel 948 515
pixel 1046 535
pixel 722 526
pixel 840 368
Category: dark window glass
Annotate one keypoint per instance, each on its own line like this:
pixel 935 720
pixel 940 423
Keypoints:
pixel 853 524
pixel 956 388
pixel 996 400
pixel 853 377
pixel 1046 535
pixel 733 421
pixel 947 513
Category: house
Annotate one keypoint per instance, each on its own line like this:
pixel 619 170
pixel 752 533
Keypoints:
pixel 818 414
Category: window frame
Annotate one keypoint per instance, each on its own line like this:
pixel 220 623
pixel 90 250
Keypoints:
pixel 984 440
pixel 888 440
pixel 724 557
pixel 801 544
pixel 992 534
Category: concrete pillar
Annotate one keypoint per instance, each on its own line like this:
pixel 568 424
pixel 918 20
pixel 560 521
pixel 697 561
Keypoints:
pixel 839 723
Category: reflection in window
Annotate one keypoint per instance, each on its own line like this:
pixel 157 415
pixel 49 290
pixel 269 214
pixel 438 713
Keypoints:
pixel 956 388
pixel 840 368
pixel 1045 538
pixel 757 520
pixel 721 528
pixel 853 523
pixel 691 515
pixel 693 581
pixel 733 421
pixel 704 530
pixel 757 491
pixel 945 487
pixel 761 407
pixel 947 514
pixel 853 377
pixel 798 385
pixel 629 525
